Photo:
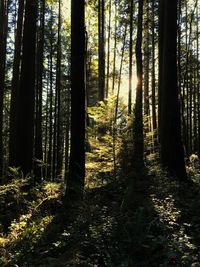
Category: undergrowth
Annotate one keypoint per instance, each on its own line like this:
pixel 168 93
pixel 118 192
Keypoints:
pixel 126 219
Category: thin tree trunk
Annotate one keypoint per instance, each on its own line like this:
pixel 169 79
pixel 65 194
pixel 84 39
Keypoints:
pixel 161 8
pixel 58 88
pixel 117 104
pixel 153 81
pixel 108 50
pixel 138 154
pixel 101 50
pixel 130 59
pixel 50 103
pixel 115 51
pixel 39 89
pixel 3 37
pixel 146 67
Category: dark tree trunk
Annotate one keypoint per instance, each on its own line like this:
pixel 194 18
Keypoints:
pixel 130 59
pixel 172 154
pixel 2 76
pixel 146 66
pixel 49 173
pixel 117 102
pixel 108 50
pixel 15 85
pixel 58 88
pixel 138 154
pixel 101 50
pixel 25 120
pixel 115 50
pixel 153 82
pixel 161 8
pixel 75 181
pixel 38 122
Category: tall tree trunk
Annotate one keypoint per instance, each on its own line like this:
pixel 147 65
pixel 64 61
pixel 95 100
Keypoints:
pixel 101 49
pixel 172 154
pixel 117 103
pixel 138 154
pixel 25 125
pixel 115 50
pixel 198 86
pixel 54 154
pixel 15 85
pixel 75 181
pixel 108 50
pixel 39 90
pixel 130 59
pixel 146 66
pixel 50 101
pixel 67 133
pixel 161 8
pixel 58 88
pixel 3 37
pixel 46 128
pixel 153 82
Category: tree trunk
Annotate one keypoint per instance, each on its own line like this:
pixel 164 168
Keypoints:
pixel 138 154
pixel 108 50
pixel 172 154
pixel 25 125
pixel 15 85
pixel 75 181
pixel 39 89
pixel 101 49
pixel 58 88
pixel 3 37
pixel 146 67
pixel 115 50
pixel 153 82
pixel 130 59
pixel 161 8
pixel 50 102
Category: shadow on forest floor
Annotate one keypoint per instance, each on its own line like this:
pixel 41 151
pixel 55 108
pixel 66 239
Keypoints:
pixel 155 223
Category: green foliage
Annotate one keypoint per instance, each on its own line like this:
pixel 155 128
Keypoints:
pixel 104 137
pixel 12 195
pixel 25 215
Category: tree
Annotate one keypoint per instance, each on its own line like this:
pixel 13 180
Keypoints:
pixel 15 85
pixel 108 49
pixel 39 90
pixel 138 122
pixel 3 38
pixel 153 82
pixel 172 154
pixel 101 50
pixel 58 88
pixel 75 181
pixel 26 99
pixel 130 58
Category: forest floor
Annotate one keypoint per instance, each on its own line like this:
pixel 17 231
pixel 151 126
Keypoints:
pixel 153 222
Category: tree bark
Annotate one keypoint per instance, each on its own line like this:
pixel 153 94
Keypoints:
pixel 15 85
pixel 172 154
pixel 101 50
pixel 138 154
pixel 25 125
pixel 75 181
pixel 39 89
pixel 130 59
